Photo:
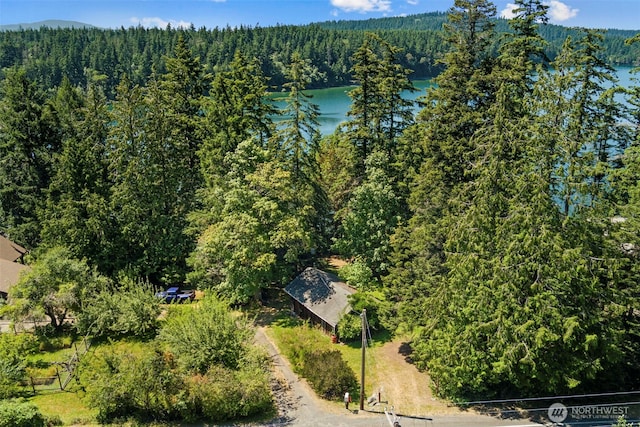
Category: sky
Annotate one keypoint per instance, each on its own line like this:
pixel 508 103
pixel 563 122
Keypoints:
pixel 621 14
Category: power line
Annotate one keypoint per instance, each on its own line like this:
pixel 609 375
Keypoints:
pixel 532 399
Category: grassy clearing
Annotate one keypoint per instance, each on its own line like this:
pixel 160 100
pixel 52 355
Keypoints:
pixel 67 406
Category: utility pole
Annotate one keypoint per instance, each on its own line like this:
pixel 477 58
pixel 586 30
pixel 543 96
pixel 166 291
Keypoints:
pixel 363 317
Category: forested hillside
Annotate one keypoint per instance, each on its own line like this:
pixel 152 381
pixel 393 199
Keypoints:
pixel 48 54
pixel 498 228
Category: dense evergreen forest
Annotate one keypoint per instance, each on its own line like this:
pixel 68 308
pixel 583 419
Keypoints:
pixel 499 228
pixel 48 54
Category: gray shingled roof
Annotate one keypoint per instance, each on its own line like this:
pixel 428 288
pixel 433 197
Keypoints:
pixel 322 293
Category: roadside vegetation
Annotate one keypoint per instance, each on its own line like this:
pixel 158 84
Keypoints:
pixel 200 366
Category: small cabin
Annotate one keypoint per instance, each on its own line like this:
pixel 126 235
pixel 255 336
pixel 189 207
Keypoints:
pixel 319 297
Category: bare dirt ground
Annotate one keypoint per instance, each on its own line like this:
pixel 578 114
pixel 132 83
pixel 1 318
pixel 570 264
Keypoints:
pixel 401 384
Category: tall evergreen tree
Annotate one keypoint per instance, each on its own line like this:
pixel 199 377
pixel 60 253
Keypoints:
pixel 297 143
pixel 580 110
pixel 234 111
pixel 157 170
pixel 625 241
pixel 509 283
pixel 454 111
pixel 522 51
pixel 299 132
pixel 378 111
pixel 257 216
pixel 28 142
pixel 77 211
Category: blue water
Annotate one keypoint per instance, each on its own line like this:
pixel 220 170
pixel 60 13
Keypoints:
pixel 335 102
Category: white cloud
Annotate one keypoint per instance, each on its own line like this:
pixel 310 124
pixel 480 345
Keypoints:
pixel 507 12
pixel 363 5
pixel 413 2
pixel 150 22
pixel 558 11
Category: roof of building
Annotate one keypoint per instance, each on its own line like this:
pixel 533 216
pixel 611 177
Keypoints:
pixel 322 293
pixel 10 250
pixel 9 274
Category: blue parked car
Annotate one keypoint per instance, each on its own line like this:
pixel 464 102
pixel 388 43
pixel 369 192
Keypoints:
pixel 175 295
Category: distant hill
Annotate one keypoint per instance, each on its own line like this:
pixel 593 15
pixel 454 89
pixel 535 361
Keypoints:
pixel 423 21
pixel 433 21
pixel 51 23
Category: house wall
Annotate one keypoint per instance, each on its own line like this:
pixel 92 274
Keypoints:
pixel 304 313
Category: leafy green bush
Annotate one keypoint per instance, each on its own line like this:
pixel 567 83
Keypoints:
pixel 207 334
pixel 122 384
pixel 131 310
pixel 13 350
pixel 350 327
pixel 329 374
pixel 15 413
pixel 223 394
pixel 200 367
pixel 359 275
pixel 294 344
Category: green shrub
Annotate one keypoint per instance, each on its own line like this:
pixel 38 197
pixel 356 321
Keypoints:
pixel 325 369
pixel 15 413
pixel 55 343
pixel 359 275
pixel 122 384
pixel 223 394
pixel 131 310
pixel 329 374
pixel 152 385
pixel 350 327
pixel 295 342
pixel 13 351
pixel 207 334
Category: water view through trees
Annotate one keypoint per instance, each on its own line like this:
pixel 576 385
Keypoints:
pixel 334 102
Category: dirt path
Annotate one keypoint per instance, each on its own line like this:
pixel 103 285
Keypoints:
pixel 401 384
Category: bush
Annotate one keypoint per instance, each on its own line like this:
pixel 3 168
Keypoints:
pixel 151 385
pixel 15 413
pixel 329 374
pixel 223 394
pixel 359 275
pixel 122 384
pixel 350 327
pixel 131 310
pixel 326 370
pixel 13 350
pixel 207 334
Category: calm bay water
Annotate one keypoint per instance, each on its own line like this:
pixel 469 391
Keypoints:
pixel 335 102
